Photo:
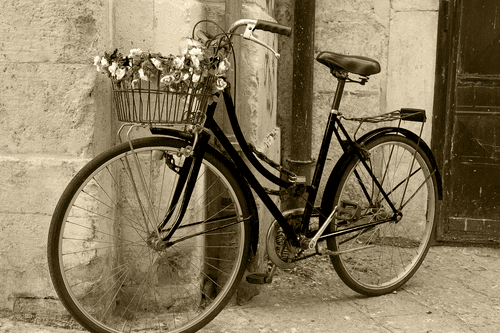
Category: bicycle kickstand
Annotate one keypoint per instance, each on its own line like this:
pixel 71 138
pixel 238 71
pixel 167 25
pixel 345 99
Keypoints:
pixel 262 278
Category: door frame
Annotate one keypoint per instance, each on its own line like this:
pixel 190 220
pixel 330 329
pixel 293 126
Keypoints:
pixel 442 122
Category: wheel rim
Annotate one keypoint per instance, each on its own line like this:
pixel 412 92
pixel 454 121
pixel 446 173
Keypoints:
pixel 112 273
pixel 391 252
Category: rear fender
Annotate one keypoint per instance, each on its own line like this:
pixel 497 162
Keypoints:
pixel 341 164
pixel 415 138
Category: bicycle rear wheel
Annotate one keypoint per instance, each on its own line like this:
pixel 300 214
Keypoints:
pixel 380 259
pixel 106 261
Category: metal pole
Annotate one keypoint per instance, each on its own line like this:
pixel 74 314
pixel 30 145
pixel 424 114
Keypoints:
pixel 303 70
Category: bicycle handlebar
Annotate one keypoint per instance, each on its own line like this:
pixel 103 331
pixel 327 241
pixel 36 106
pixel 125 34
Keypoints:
pixel 251 25
pixel 273 27
pixel 264 25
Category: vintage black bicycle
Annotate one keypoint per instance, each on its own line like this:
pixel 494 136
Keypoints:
pixel 154 234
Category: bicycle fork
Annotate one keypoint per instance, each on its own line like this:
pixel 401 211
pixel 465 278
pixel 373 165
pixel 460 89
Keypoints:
pixel 188 175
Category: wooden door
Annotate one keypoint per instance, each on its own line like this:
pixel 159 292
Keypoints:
pixel 467 122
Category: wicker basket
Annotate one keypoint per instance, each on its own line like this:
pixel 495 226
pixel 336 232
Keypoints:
pixel 151 102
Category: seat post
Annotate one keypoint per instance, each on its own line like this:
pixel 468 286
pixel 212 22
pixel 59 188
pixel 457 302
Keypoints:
pixel 323 154
pixel 338 94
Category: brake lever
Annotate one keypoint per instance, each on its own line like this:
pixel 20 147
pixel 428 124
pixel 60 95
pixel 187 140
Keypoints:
pixel 203 36
pixel 248 34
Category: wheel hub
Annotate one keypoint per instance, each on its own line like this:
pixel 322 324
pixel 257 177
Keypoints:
pixel 156 244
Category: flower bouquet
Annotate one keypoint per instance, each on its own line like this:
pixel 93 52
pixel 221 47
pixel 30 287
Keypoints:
pixel 152 88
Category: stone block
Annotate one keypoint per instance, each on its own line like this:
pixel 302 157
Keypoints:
pixel 30 189
pixel 266 6
pixel 175 19
pixel 33 185
pixel 23 260
pixel 415 5
pixel 48 108
pixel 52 31
pixel 351 33
pixel 333 7
pixel 39 309
pixel 155 26
pixel 134 22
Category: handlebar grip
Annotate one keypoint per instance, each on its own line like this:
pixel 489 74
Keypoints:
pixel 273 27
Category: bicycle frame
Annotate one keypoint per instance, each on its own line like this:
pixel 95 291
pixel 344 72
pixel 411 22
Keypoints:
pixel 334 126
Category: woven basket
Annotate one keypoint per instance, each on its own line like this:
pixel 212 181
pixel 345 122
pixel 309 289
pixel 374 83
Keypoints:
pixel 151 102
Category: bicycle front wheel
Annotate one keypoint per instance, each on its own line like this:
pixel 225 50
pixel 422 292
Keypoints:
pixel 379 259
pixel 108 263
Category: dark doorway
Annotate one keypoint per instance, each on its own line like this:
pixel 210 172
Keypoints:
pixel 466 126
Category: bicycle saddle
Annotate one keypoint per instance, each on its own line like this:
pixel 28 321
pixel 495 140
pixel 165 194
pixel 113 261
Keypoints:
pixel 354 64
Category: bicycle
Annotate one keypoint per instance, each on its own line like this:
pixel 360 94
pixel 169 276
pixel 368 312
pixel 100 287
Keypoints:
pixel 154 234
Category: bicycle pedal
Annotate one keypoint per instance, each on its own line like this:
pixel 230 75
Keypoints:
pixel 259 278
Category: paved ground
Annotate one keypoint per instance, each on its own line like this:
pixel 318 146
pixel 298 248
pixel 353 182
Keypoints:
pixel 455 290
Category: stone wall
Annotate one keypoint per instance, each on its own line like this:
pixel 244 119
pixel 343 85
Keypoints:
pixel 53 119
pixel 56 113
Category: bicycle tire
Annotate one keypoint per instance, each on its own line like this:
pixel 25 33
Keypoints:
pixel 104 264
pixel 381 259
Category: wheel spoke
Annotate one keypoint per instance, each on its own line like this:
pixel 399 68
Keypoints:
pixel 109 264
pixel 390 253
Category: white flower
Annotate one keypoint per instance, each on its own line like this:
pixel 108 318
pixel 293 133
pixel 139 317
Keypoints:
pixel 196 52
pixel 221 84
pixel 135 52
pixel 179 63
pixel 97 63
pixel 185 77
pixel 112 69
pixel 224 66
pixel 104 62
pixel 120 73
pixel 143 75
pixel 157 63
pixel 196 78
pixel 196 62
pixel 167 79
pixel 187 43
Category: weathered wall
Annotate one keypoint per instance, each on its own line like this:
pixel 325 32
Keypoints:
pixel 52 119
pixel 54 106
pixel 400 34
pixel 55 116
pixel 412 57
pixel 55 110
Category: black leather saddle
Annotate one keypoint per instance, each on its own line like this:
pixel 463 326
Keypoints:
pixel 353 64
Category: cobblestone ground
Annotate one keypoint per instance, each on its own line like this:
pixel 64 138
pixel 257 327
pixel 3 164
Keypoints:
pixel 456 290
